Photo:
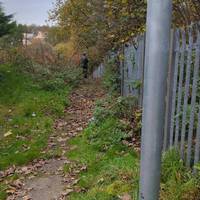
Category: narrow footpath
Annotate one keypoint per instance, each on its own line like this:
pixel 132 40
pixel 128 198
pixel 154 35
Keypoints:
pixel 46 179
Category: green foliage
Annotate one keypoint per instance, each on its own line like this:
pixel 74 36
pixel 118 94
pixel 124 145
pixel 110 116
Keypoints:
pixel 50 77
pixel 178 183
pixel 3 194
pixel 53 84
pixel 172 164
pixel 106 136
pixel 114 21
pixel 111 77
pixel 98 26
pixel 11 34
pixel 6 23
pixel 112 168
pixel 123 107
pixel 137 84
pixel 27 112
pixel 57 35
pixel 14 38
pixel 108 160
pixel 72 75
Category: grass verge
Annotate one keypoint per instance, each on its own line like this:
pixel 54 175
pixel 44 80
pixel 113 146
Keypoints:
pixel 113 168
pixel 27 113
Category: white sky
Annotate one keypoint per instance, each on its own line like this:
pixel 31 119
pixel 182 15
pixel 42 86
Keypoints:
pixel 28 11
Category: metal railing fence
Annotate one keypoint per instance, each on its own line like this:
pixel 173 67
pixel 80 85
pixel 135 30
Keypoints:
pixel 182 118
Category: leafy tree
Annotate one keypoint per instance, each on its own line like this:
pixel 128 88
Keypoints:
pixel 14 38
pixel 98 26
pixel 6 23
pixel 57 35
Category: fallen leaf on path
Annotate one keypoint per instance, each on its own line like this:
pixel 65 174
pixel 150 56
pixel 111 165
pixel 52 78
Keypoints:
pixel 17 184
pixel 126 197
pixel 8 134
pixel 67 192
pixel 11 191
pixel 26 198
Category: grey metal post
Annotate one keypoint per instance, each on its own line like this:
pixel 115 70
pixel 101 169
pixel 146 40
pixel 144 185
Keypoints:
pixel 155 81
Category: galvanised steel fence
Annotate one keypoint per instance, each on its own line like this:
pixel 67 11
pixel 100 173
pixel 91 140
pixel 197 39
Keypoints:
pixel 182 118
pixel 99 71
pixel 132 68
pixel 182 129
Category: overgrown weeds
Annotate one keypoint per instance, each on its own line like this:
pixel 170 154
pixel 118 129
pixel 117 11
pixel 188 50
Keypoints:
pixel 178 182
pixel 111 78
pixel 113 166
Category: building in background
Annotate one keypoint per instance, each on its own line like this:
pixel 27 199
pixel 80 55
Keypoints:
pixel 28 38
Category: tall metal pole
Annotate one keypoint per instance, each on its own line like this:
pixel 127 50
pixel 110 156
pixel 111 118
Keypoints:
pixel 155 79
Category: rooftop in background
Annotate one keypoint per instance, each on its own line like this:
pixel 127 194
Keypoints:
pixel 28 11
pixel 28 38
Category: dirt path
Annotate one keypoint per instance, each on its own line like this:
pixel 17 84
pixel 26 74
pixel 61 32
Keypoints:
pixel 45 179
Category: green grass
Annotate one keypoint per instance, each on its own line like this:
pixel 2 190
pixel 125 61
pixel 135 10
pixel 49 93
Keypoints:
pixel 27 113
pixel 178 182
pixel 112 168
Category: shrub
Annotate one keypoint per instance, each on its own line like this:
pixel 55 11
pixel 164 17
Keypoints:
pixel 53 84
pixel 111 78
pixel 178 182
pixel 172 165
pixel 123 107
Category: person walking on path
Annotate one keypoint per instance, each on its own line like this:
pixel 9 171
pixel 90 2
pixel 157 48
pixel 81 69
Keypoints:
pixel 84 65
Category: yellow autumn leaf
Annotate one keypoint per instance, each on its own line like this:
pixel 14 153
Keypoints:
pixel 8 134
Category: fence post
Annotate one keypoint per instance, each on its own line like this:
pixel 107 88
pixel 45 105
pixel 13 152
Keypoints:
pixel 169 91
pixel 155 82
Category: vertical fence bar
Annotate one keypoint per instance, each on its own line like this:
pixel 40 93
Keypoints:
pixel 123 70
pixel 133 58
pixel 180 87
pixel 193 101
pixel 187 87
pixel 156 65
pixel 169 92
pixel 130 69
pixel 197 146
pixel 174 88
pixel 142 66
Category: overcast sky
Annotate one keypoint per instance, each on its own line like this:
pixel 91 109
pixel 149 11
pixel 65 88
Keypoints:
pixel 28 11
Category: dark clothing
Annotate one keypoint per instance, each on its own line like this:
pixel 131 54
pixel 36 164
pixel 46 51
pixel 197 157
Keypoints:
pixel 85 62
pixel 85 72
pixel 84 65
